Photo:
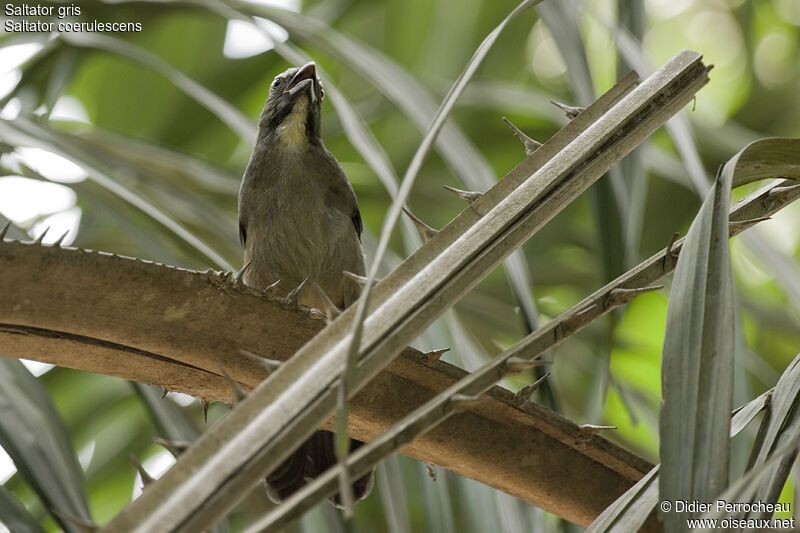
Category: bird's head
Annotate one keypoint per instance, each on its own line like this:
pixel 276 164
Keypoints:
pixel 292 112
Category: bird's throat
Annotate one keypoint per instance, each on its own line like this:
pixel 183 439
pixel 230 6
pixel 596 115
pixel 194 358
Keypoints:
pixel 292 130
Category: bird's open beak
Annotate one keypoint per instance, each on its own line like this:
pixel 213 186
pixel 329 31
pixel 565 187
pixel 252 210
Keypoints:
pixel 303 81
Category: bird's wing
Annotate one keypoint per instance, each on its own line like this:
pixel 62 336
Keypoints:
pixel 359 224
pixel 341 195
pixel 242 232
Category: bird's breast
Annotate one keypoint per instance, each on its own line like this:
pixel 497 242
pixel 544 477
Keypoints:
pixel 292 234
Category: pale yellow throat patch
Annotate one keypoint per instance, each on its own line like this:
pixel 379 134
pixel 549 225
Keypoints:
pixel 292 130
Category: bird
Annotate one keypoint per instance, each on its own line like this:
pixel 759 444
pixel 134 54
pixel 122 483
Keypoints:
pixel 300 227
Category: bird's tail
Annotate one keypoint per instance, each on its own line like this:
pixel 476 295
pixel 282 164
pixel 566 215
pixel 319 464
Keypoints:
pixel 312 458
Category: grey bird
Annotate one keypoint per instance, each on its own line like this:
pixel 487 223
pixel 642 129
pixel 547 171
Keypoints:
pixel 299 222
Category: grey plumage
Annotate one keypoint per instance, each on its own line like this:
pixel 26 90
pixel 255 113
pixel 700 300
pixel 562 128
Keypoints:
pixel 298 213
pixel 298 219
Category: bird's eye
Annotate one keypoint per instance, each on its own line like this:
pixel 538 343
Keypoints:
pixel 321 93
pixel 276 83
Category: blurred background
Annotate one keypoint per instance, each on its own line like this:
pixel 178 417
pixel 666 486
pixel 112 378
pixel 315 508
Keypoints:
pixel 135 142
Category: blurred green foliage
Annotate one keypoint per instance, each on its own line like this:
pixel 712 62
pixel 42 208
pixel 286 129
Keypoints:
pixel 165 146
